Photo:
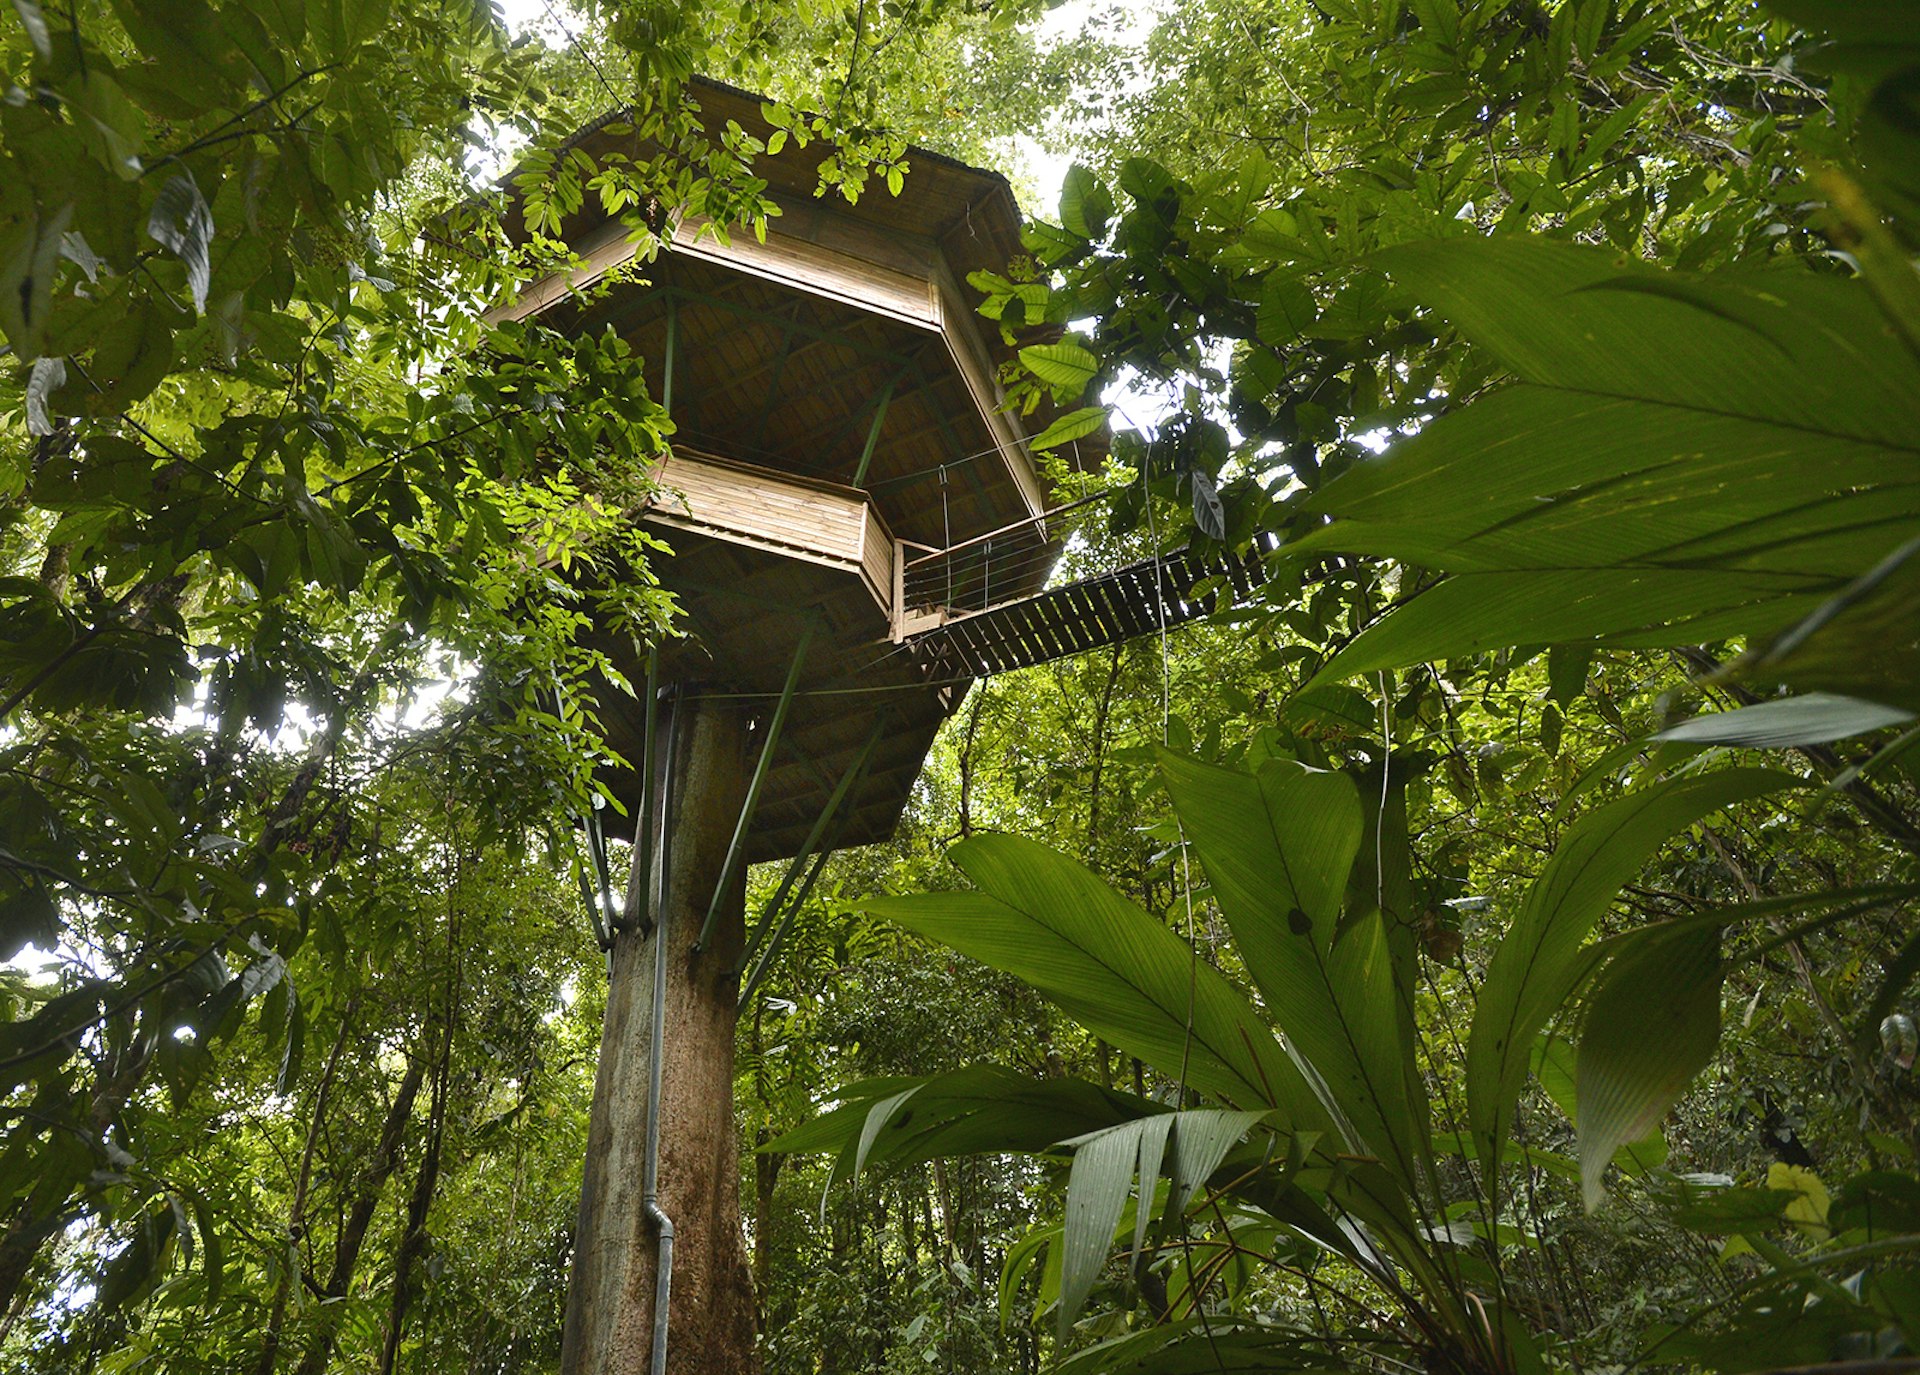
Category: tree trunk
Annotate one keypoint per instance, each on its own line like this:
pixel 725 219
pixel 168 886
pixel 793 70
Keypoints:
pixel 353 1233
pixel 297 1212
pixel 609 1327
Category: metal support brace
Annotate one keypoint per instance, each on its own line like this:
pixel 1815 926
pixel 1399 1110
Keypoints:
pixel 873 436
pixel 643 824
pixel 597 852
pixel 599 909
pixel 772 949
pixel 738 847
pixel 840 791
pixel 600 934
pixel 673 340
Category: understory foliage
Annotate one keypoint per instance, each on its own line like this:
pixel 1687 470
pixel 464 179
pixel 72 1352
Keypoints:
pixel 1488 949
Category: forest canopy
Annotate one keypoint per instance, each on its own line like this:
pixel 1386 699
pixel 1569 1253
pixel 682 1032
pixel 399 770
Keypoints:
pixel 1486 947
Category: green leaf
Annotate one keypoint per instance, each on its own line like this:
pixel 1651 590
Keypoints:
pixel 1108 1162
pixel 1085 203
pixel 1863 642
pixel 1729 1210
pixel 1050 921
pixel 1651 1025
pixel 1567 670
pixel 47 376
pixel 1879 1202
pixel 1201 1139
pixel 1812 719
pixel 1065 367
pixel 182 223
pixel 964 1112
pixel 1213 1344
pixel 1071 426
pixel 1278 848
pixel 1540 961
pixel 130 358
pixel 35 23
pixel 1286 310
pixel 1628 607
pixel 114 127
pixel 1788 349
pixel 1104 1167
pixel 29 257
pixel 1679 454
pixel 28 916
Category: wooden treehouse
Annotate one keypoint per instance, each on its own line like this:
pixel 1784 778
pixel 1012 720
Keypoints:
pixel 858 530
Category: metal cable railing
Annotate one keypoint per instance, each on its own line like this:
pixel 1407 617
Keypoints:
pixel 974 574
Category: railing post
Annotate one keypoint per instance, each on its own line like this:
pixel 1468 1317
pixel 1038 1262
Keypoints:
pixel 899 608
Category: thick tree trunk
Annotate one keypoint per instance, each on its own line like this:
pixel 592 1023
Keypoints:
pixel 609 1328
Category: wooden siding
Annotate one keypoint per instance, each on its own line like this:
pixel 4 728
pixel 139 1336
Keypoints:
pixel 876 560
pixel 818 269
pixel 742 504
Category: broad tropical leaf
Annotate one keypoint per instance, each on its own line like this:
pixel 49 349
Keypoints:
pixel 1051 921
pixel 1071 426
pixel 980 1108
pixel 1812 719
pixel 1066 367
pixel 1651 1025
pixel 1278 848
pixel 1205 1346
pixel 1680 457
pixel 1541 960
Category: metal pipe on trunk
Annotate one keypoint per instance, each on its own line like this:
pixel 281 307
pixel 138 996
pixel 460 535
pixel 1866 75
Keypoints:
pixel 650 1161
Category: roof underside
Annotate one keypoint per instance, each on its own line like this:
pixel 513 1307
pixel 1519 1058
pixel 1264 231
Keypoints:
pixel 746 611
pixel 793 382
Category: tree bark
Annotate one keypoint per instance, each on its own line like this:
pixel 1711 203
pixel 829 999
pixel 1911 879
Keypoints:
pixel 609 1326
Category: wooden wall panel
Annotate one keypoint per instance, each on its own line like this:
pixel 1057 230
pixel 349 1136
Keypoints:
pixel 758 507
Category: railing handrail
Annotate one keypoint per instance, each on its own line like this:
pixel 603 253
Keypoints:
pixel 990 535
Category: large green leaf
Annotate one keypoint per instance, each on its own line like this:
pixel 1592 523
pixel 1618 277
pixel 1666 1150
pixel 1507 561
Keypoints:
pixel 1065 367
pixel 1104 1166
pixel 1804 352
pixel 1085 203
pixel 1864 642
pixel 1680 456
pixel 1473 612
pixel 1051 921
pixel 1541 960
pixel 1651 1025
pixel 983 1108
pixel 1812 719
pixel 1278 848
pixel 1215 1345
pixel 1107 1162
pixel 1073 425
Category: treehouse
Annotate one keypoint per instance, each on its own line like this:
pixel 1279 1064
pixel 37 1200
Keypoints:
pixel 858 531
pixel 840 433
